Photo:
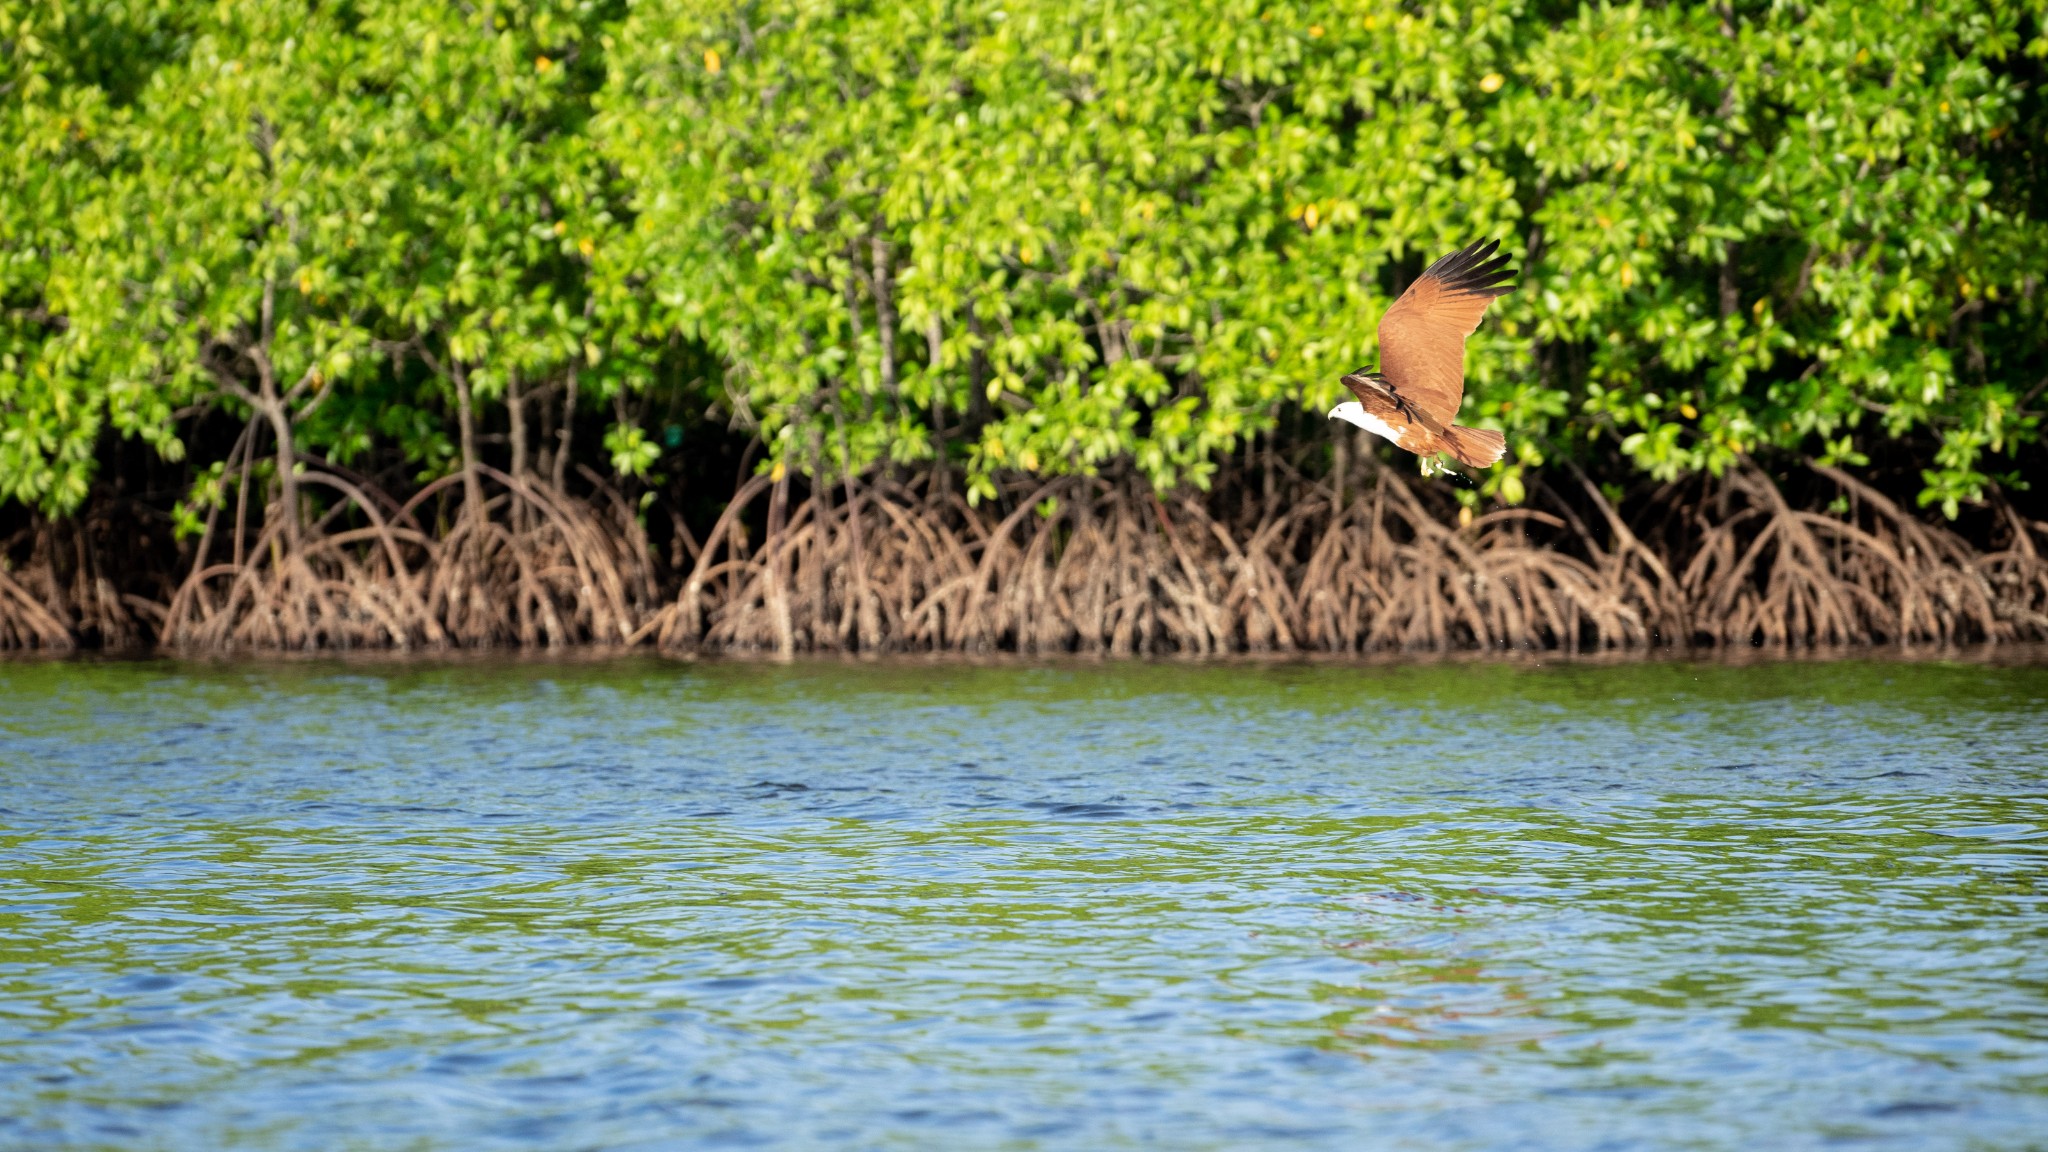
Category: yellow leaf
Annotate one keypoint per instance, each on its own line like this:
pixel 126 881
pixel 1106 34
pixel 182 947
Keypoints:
pixel 542 64
pixel 586 246
pixel 1028 459
pixel 1628 275
pixel 1464 517
pixel 1026 253
pixel 1309 216
pixel 1491 82
pixel 561 226
pixel 778 472
pixel 712 63
pixel 1688 411
pixel 1315 31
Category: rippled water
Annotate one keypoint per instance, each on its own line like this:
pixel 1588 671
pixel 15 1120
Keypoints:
pixel 941 906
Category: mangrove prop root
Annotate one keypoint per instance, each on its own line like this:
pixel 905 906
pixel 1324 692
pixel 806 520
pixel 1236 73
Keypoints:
pixel 1075 564
pixel 1084 565
pixel 524 565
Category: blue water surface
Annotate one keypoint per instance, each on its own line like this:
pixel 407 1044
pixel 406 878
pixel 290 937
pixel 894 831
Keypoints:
pixel 640 904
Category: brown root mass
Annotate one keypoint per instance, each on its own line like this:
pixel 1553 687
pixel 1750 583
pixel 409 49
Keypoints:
pixel 1084 565
pixel 63 594
pixel 1077 564
pixel 526 566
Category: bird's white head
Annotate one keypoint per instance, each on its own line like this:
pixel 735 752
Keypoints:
pixel 1351 412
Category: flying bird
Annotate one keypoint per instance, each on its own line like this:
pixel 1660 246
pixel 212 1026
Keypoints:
pixel 1413 398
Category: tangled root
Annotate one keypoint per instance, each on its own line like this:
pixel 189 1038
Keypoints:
pixel 528 566
pixel 1082 565
pixel 1077 564
pixel 61 596
pixel 26 623
pixel 1768 574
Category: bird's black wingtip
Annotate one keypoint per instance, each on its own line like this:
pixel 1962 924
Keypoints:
pixel 1475 269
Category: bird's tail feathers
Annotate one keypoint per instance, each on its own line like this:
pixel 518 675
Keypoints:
pixel 1476 447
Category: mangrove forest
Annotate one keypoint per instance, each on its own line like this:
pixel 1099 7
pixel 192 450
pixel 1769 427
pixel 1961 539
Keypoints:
pixel 979 325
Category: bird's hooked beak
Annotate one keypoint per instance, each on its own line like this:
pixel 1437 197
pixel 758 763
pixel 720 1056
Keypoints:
pixel 1350 412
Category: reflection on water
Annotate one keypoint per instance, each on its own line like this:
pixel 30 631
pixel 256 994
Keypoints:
pixel 642 904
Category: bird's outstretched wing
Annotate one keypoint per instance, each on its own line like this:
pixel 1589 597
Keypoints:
pixel 1422 337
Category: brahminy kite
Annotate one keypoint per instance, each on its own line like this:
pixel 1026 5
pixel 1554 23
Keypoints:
pixel 1413 398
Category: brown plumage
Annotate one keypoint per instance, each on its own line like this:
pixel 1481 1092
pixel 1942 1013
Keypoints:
pixel 1413 399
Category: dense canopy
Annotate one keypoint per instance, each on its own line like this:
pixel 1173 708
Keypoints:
pixel 1036 236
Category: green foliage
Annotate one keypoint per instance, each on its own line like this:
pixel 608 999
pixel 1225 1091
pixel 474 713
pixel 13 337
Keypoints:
pixel 1145 235
pixel 631 452
pixel 298 209
pixel 67 73
pixel 1037 235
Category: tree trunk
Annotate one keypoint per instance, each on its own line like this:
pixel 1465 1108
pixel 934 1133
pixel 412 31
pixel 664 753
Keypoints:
pixel 273 408
pixel 515 406
pixel 1340 463
pixel 287 471
pixel 568 432
pixel 472 487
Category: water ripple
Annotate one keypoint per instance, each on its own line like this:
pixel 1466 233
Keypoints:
pixel 928 906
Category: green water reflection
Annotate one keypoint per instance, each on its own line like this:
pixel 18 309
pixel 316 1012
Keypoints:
pixel 919 905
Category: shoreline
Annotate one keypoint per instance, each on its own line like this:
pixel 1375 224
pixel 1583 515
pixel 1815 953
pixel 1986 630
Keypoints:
pixel 2020 654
